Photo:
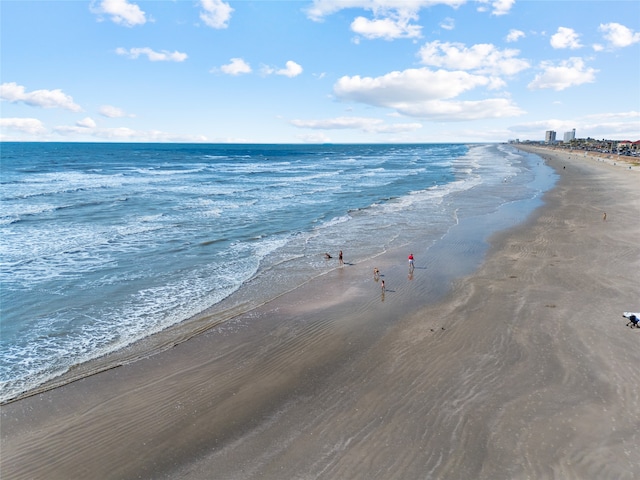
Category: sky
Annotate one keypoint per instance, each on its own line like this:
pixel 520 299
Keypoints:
pixel 318 71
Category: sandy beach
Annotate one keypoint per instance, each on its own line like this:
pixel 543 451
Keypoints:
pixel 526 369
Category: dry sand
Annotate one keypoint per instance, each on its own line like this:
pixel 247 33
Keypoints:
pixel 526 370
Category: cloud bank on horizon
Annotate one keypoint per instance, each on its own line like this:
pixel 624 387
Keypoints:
pixel 344 71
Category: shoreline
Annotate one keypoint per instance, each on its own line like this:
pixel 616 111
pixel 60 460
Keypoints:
pixel 527 358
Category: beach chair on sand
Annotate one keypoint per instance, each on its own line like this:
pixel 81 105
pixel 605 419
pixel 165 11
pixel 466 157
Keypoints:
pixel 633 319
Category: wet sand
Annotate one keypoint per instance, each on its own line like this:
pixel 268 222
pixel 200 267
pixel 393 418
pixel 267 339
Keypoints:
pixel 525 370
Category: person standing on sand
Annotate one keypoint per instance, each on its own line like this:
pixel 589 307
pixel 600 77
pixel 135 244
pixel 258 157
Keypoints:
pixel 604 216
pixel 411 265
pixel 340 258
pixel 382 286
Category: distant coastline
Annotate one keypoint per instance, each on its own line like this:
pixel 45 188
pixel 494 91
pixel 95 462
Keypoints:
pixel 626 161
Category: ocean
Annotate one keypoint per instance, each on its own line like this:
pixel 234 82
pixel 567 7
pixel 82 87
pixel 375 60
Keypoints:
pixel 103 245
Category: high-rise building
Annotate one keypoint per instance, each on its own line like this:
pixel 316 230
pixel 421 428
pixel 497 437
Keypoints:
pixel 550 137
pixel 568 136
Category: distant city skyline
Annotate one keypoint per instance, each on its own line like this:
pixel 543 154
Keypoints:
pixel 323 71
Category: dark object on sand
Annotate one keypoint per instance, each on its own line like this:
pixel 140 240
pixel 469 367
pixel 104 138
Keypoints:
pixel 633 319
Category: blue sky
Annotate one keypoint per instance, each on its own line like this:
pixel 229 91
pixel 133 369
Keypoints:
pixel 342 71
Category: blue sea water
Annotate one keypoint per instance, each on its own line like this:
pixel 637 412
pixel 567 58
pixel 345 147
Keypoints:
pixel 105 244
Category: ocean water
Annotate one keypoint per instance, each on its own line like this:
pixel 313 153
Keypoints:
pixel 105 244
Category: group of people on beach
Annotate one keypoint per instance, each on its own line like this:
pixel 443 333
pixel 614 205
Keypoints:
pixel 376 277
pixel 376 271
pixel 329 257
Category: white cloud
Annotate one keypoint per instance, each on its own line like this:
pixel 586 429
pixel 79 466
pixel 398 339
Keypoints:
pixel 113 112
pixel 514 35
pixel 618 35
pixel 323 8
pixel 391 18
pixel 502 7
pixel 496 83
pixel 126 134
pixel 87 122
pixel 153 56
pixel 619 125
pixel 292 69
pixel 30 126
pixel 386 28
pixel 453 111
pixel 370 125
pixel 408 85
pixel 121 12
pixel 566 38
pixel 215 13
pixel 481 58
pixel 236 67
pixel 420 93
pixel 498 7
pixel 568 73
pixel 448 24
pixel 14 93
pixel 631 114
